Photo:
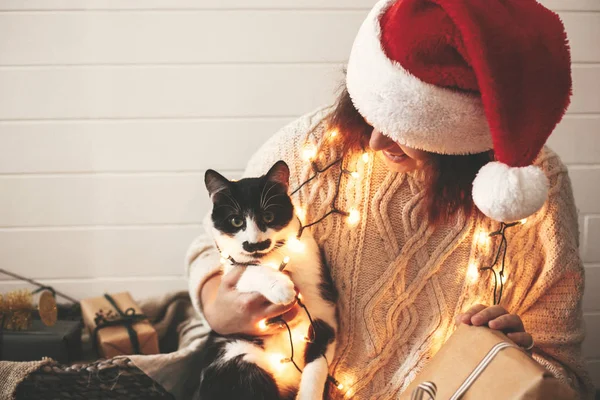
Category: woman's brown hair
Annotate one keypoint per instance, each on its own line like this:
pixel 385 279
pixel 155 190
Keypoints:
pixel 450 178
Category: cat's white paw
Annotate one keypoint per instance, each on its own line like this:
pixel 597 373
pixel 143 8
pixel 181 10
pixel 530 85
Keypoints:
pixel 280 289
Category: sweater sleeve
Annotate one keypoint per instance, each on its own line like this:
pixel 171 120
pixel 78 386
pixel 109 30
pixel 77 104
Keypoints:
pixel 552 309
pixel 202 259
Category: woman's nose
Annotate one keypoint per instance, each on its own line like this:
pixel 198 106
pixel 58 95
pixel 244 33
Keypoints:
pixel 379 141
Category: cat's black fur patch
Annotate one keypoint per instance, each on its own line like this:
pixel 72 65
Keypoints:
pixel 322 334
pixel 237 379
pixel 327 288
pixel 251 197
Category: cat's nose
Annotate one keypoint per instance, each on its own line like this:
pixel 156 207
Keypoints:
pixel 260 246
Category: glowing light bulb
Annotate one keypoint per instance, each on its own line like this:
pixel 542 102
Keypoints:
pixel 365 157
pixel 473 273
pixel 340 386
pixel 349 393
pixel 295 245
pixel 277 361
pixel 300 297
pixel 299 333
pixel 483 238
pixel 309 153
pixel 286 260
pixel 301 214
pixel 355 175
pixel 353 217
pixel 333 133
pixel 225 254
pixel 262 325
pixel 523 221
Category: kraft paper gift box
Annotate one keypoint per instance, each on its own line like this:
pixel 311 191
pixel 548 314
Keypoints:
pixel 114 338
pixel 480 363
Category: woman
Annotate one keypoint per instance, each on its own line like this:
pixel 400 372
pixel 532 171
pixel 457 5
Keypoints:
pixel 438 92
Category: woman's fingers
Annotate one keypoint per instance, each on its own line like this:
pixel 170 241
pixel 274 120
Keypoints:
pixel 521 339
pixel 465 318
pixel 267 313
pixel 231 279
pixel 275 310
pixel 486 315
pixel 507 323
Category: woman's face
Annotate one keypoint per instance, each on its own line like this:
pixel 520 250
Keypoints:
pixel 398 158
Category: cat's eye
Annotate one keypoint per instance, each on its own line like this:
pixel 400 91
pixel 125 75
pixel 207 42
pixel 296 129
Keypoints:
pixel 236 222
pixel 268 217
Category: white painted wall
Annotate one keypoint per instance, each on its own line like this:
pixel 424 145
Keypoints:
pixel 111 110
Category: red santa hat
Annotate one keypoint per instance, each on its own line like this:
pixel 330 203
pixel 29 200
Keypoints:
pixel 464 77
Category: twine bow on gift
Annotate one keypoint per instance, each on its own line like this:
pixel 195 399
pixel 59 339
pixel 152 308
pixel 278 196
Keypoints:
pixel 425 391
pixel 125 319
pixel 428 390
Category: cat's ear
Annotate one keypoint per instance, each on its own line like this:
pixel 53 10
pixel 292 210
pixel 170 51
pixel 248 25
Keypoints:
pixel 215 182
pixel 279 173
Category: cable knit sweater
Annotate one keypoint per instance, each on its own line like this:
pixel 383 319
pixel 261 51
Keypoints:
pixel 402 282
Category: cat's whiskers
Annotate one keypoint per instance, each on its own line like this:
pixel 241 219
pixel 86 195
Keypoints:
pixel 272 205
pixel 263 194
pixel 272 197
pixel 236 205
pixel 229 206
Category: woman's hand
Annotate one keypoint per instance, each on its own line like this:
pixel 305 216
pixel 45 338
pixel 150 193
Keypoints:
pixel 230 312
pixel 497 318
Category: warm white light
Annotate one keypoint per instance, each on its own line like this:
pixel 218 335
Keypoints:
pixel 353 217
pixel 301 214
pixel 523 221
pixel 225 255
pixel 349 393
pixel 309 153
pixel 300 296
pixel 272 265
pixel 340 386
pixel 483 238
pixel 286 260
pixel 333 133
pixel 295 245
pixel 355 175
pixel 473 273
pixel 365 157
pixel 262 325
pixel 300 333
pixel 504 279
pixel 277 361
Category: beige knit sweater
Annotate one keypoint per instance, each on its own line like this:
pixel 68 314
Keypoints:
pixel 402 282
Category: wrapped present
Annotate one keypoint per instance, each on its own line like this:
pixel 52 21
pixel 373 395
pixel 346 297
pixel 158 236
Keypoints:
pixel 480 363
pixel 61 341
pixel 118 327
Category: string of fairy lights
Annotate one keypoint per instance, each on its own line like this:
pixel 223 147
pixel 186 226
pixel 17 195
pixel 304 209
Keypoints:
pixel 353 217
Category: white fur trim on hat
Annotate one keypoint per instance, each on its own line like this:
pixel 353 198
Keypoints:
pixel 508 194
pixel 408 110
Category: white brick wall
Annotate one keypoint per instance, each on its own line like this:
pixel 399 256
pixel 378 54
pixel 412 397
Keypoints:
pixel 108 109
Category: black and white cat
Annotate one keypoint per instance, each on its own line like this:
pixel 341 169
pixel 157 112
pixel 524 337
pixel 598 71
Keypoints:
pixel 254 225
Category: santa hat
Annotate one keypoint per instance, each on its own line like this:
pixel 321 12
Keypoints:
pixel 464 77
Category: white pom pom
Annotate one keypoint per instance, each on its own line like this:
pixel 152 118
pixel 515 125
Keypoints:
pixel 508 194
